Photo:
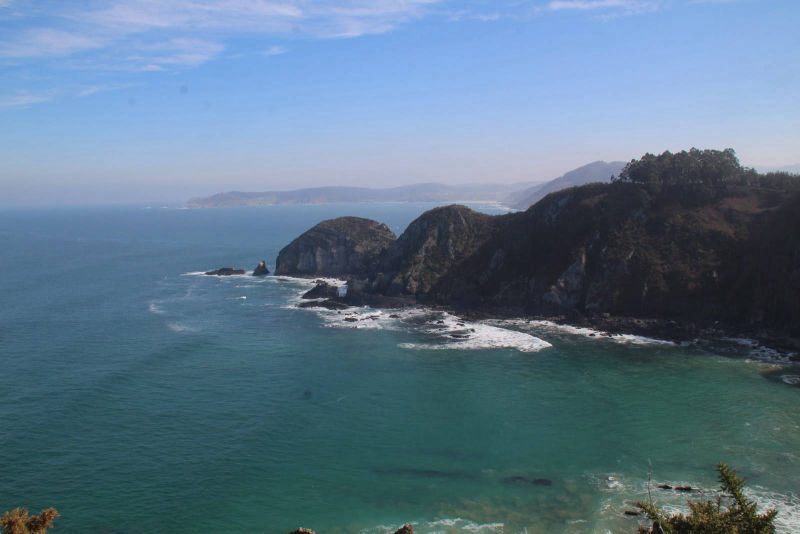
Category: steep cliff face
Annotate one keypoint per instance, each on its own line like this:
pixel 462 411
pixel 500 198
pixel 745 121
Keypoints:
pixel 691 253
pixel 621 249
pixel 336 247
pixel 432 245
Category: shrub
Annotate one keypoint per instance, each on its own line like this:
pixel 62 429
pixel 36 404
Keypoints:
pixel 730 513
pixel 18 522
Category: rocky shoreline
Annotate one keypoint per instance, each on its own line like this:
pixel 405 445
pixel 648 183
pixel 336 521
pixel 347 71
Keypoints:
pixel 325 295
pixel 682 247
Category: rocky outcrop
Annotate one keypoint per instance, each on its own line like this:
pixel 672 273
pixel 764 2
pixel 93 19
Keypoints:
pixel 331 304
pixel 323 290
pixel 225 271
pixel 261 269
pixel 432 245
pixel 347 246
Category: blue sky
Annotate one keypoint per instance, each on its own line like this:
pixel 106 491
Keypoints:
pixel 160 100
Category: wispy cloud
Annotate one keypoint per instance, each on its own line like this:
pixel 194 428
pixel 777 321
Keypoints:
pixel 169 30
pixel 23 100
pixel 626 6
pixel 40 42
pixel 94 89
pixel 179 52
pixel 169 35
pixel 275 50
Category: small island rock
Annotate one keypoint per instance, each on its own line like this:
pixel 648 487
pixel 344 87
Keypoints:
pixel 323 290
pixel 225 271
pixel 261 269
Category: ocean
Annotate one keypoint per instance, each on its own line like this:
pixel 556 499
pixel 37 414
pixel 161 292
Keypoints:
pixel 139 395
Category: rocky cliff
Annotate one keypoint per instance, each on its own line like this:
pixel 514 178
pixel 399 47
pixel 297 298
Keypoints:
pixel 702 243
pixel 347 246
pixel 433 245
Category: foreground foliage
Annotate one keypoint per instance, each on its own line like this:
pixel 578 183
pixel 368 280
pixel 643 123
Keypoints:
pixel 19 522
pixel 730 513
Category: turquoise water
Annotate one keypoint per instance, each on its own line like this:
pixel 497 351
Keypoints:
pixel 138 396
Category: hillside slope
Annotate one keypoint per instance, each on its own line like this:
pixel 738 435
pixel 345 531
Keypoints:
pixel 598 171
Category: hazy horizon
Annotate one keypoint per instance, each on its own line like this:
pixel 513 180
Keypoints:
pixel 135 101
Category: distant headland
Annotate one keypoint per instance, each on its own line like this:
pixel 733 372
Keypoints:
pixel 519 195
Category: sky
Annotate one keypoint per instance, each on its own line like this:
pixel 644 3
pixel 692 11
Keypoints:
pixel 163 100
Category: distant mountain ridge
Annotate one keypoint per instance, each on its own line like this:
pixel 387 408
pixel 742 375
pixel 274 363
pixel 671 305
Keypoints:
pixel 598 171
pixel 519 195
pixel 423 192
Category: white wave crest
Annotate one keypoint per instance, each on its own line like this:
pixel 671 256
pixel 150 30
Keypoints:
pixel 153 308
pixel 178 327
pixel 549 326
pixel 455 333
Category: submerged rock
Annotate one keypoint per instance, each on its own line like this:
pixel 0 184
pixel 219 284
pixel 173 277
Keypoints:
pixel 302 531
pixel 225 271
pixel 405 529
pixel 517 479
pixel 261 269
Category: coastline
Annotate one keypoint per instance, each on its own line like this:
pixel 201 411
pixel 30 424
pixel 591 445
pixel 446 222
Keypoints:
pixel 782 348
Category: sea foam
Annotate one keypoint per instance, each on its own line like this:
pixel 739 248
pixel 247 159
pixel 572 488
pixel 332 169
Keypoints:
pixel 446 331
pixel 537 325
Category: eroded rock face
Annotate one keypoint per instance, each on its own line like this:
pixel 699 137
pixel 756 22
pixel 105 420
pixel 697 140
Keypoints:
pixel 347 246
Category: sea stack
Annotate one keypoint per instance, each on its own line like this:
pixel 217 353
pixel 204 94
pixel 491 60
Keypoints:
pixel 261 269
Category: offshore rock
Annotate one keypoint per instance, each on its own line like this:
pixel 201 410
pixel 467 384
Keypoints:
pixel 405 529
pixel 302 531
pixel 347 246
pixel 323 290
pixel 261 269
pixel 330 304
pixel 225 271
